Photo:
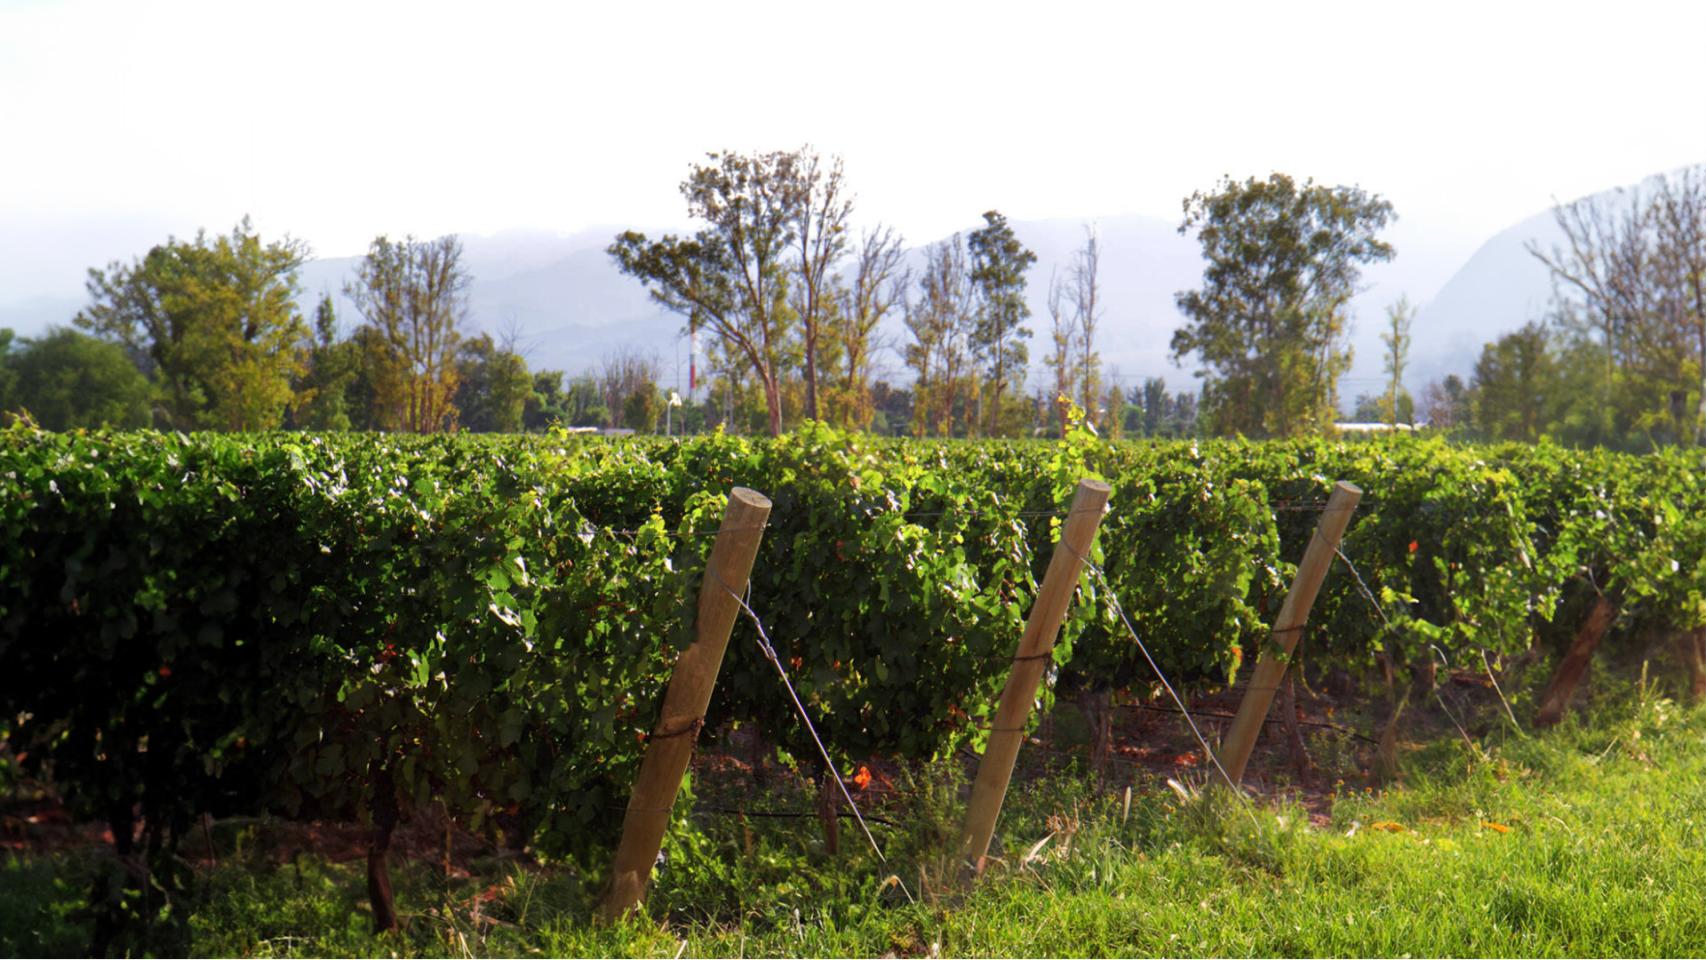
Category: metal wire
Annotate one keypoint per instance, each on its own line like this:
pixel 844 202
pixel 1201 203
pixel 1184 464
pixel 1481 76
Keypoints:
pixel 829 765
pixel 1114 599
pixel 1368 595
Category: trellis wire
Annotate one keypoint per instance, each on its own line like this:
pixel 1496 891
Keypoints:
pixel 829 765
pixel 1113 598
pixel 1368 595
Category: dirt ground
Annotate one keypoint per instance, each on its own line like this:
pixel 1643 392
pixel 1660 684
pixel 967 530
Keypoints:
pixel 1149 744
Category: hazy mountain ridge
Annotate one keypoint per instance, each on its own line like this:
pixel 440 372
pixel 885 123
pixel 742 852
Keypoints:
pixel 1501 287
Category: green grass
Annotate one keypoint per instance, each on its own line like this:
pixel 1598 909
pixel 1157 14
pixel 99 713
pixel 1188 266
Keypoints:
pixel 1602 854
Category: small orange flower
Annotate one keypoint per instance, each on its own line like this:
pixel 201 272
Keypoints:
pixel 1414 545
pixel 862 779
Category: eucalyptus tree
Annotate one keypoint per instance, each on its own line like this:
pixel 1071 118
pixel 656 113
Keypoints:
pixel 1269 323
pixel 761 275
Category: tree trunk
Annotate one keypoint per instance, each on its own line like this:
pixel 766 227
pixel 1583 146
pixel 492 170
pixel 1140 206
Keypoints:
pixel 1293 730
pixel 772 402
pixel 121 820
pixel 378 870
pixel 1386 760
pixel 1575 664
pixel 829 810
pixel 1098 709
pixel 811 376
pixel 1691 645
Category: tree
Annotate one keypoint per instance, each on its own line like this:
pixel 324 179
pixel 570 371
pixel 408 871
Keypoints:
pixel 492 386
pixel 1446 403
pixel 1515 385
pixel 942 322
pixel 1062 360
pixel 322 392
pixel 1113 413
pixel 624 375
pixel 1631 274
pixel 642 410
pixel 879 287
pixel 1397 406
pixel 1086 305
pixel 66 380
pixel 213 322
pixel 820 211
pixel 1153 412
pixel 998 265
pixel 7 376
pixel 893 409
pixel 1269 323
pixel 731 277
pixel 369 398
pixel 413 296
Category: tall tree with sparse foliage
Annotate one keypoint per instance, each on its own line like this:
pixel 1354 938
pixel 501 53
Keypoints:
pixel 1087 315
pixel 878 290
pixel 413 296
pixel 1268 326
pixel 817 195
pixel 941 322
pixel 1630 276
pixel 732 277
pixel 1062 359
pixel 1397 406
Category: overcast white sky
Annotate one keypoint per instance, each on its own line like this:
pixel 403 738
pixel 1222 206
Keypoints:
pixel 336 121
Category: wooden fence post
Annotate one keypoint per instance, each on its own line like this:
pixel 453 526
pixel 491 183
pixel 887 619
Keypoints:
pixel 1042 627
pixel 1270 670
pixel 671 743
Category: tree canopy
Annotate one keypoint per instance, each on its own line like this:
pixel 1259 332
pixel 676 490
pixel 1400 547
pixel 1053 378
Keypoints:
pixel 213 321
pixel 64 380
pixel 413 296
pixel 1269 323
pixel 998 265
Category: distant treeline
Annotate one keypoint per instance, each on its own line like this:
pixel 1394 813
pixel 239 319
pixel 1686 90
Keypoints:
pixel 207 334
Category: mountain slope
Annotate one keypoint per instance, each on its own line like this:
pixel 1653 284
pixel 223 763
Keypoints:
pixel 1500 288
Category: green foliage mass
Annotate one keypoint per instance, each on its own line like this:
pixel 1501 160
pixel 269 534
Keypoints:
pixel 65 380
pixel 214 322
pixel 314 625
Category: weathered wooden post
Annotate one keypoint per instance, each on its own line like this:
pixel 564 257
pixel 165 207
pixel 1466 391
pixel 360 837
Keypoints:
pixel 1042 627
pixel 671 743
pixel 1270 669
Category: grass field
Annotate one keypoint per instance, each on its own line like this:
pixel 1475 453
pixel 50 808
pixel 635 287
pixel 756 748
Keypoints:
pixel 1586 840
